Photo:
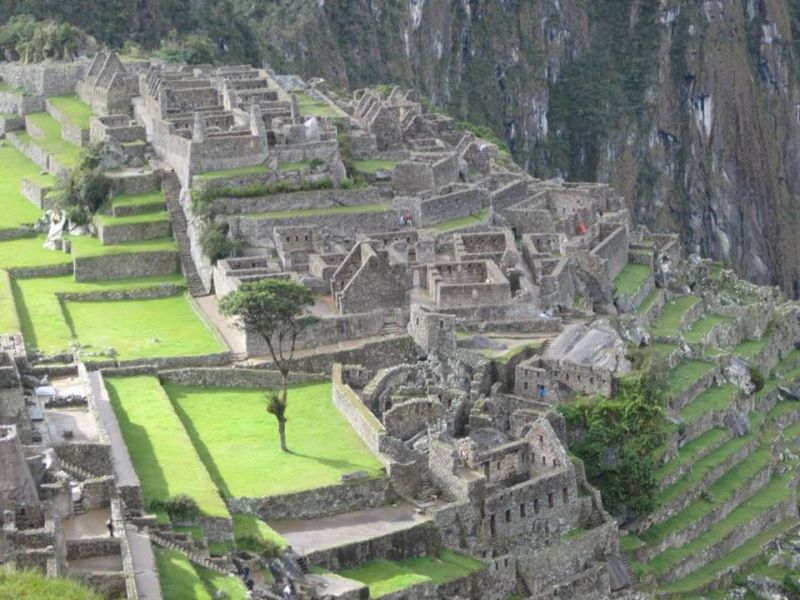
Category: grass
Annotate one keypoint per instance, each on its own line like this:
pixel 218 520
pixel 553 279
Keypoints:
pixel 373 165
pixel 299 165
pixel 83 246
pixel 41 315
pixel 314 108
pixel 52 143
pixel 249 528
pixel 251 170
pixel 9 321
pixel 184 580
pixel 154 199
pixel 238 439
pixel 161 451
pixel 147 217
pixel 689 452
pixel 28 252
pixel 702 327
pixel 461 222
pixel 10 89
pixel 15 209
pixel 32 585
pixel 386 576
pixel 321 212
pixel 142 328
pixel 631 279
pixel 749 348
pixel 713 399
pixel 648 302
pixel 669 323
pixel 740 555
pixel 686 375
pixel 73 109
pixel 510 353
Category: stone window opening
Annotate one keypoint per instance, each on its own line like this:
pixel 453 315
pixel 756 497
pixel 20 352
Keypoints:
pixel 486 467
pixel 541 440
pixel 544 461
pixel 525 385
pixel 505 562
pixel 491 525
pixel 536 506
pixel 551 500
pixel 508 515
pixel 522 510
pixel 441 324
pixel 565 495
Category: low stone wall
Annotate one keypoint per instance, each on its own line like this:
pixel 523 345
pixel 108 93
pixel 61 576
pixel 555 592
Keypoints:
pixel 45 271
pixel 111 233
pixel 364 423
pixel 163 290
pixel 372 355
pixel 36 194
pixel 108 367
pixel 15 233
pixel 91 547
pixel 508 195
pixel 125 266
pixel 217 529
pixel 18 104
pixel 98 492
pixel 95 458
pixel 108 585
pixel 234 377
pixel 10 123
pixel 320 502
pixel 295 200
pixel 421 540
pixel 678 401
pixel 134 183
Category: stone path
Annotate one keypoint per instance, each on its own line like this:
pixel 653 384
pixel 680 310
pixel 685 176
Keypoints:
pixel 232 336
pixel 145 572
pixel 172 190
pixel 91 524
pixel 311 535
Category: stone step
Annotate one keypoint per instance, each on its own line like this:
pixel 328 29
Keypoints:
pixel 172 190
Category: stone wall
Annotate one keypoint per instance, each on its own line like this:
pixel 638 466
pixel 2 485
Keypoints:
pixel 16 103
pixel 614 250
pixel 234 377
pixel 124 266
pixel 364 423
pixel 430 210
pixel 115 233
pixel 508 195
pixel 49 78
pixel 320 502
pixel 293 201
pixel 371 355
pixel 95 458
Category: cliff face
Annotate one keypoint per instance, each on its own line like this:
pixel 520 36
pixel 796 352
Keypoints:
pixel 689 108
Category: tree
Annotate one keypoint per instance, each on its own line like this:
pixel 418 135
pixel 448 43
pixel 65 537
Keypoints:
pixel 274 308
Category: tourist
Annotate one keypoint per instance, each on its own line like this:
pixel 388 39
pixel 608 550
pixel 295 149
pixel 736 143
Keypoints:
pixel 581 228
pixel 541 392
pixel 287 591
pixel 110 527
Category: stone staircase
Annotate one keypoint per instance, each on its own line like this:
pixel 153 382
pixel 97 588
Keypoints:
pixel 76 472
pixel 196 558
pixel 172 189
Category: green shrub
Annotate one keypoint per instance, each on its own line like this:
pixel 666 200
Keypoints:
pixel 179 508
pixel 757 377
pixel 792 584
pixel 214 241
pixel 258 545
pixel 81 193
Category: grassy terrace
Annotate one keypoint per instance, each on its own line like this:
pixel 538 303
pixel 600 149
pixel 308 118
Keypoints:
pixel 73 109
pixel 9 322
pixel 708 463
pixel 749 348
pixel 33 585
pixel 373 165
pixel 648 302
pixel 631 279
pixel 385 576
pixel 461 222
pixel 299 165
pixel 685 375
pixel 238 439
pixel 669 323
pixel 89 246
pixel 28 252
pixel 702 327
pixel 147 217
pixel 64 152
pixel 161 451
pixel 143 328
pixel 16 209
pixel 688 453
pixel 503 357
pixel 776 491
pixel 41 314
pixel 252 170
pixel 184 580
pixel 313 108
pixel 248 529
pixel 155 200
pixel 713 399
pixel 320 212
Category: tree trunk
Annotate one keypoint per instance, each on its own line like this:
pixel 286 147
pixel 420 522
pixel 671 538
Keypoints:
pixel 282 432
pixel 282 416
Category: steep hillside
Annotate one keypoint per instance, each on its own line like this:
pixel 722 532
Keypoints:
pixel 686 107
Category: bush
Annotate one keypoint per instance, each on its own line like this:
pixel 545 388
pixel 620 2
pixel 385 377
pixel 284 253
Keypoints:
pixel 258 545
pixel 179 508
pixel 214 241
pixel 757 377
pixel 81 193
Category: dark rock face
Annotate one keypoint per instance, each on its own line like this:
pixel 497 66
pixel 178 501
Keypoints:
pixel 688 108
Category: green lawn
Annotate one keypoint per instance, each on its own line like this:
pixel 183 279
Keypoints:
pixel 91 246
pixel 40 312
pixel 386 576
pixel 715 398
pixel 702 327
pixel 749 348
pixel 73 109
pixel 313 108
pixel 238 439
pixel 686 374
pixel 155 200
pixel 32 585
pixel 143 328
pixel 9 322
pixel 252 170
pixel 648 301
pixel 373 165
pixel 669 322
pixel 294 166
pixel 320 212
pixel 247 528
pixel 28 252
pixel 461 222
pixel 147 217
pixel 52 143
pixel 15 209
pixel 631 279
pixel 183 580
pixel 160 449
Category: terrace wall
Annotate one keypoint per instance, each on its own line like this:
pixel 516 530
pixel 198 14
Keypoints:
pixel 123 266
pixel 294 200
